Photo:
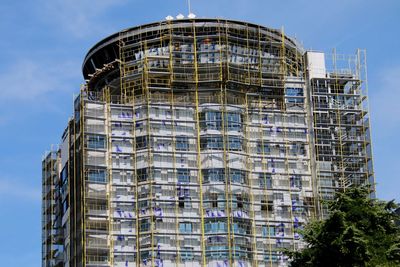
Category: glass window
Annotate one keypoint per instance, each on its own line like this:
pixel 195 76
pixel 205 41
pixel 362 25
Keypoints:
pixel 98 176
pixel 271 256
pixel 235 228
pixel 141 174
pixel 182 143
pixel 235 143
pixel 212 200
pixel 143 204
pixel 207 227
pixel 268 231
pixel 144 255
pixel 215 227
pixel 267 205
pixel 64 174
pixel 183 176
pixel 211 142
pixel 214 120
pixel 96 142
pixel 184 200
pixel 294 95
pixel 295 181
pixel 144 225
pixel 185 227
pixel 222 226
pixel 233 121
pixel 217 252
pixel 294 91
pixel 64 179
pixel 211 120
pixel 237 176
pixel 141 142
pixel 186 254
pixel 298 149
pixel 265 180
pixel 65 205
pixel 240 228
pixel 263 148
pixel 278 196
pixel 213 175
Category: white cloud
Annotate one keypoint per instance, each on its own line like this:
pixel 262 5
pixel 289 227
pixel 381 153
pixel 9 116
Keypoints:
pixel 27 80
pixel 16 190
pixel 78 17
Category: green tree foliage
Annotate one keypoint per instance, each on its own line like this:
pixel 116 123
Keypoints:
pixel 360 231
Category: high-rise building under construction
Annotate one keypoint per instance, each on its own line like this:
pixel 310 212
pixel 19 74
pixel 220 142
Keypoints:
pixel 202 142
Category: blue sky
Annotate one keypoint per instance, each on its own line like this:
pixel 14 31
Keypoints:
pixel 43 43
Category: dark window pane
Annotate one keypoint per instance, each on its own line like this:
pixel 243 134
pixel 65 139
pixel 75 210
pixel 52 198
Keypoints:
pixel 183 176
pixel 182 143
pixel 96 142
pixel 141 142
pixel 97 176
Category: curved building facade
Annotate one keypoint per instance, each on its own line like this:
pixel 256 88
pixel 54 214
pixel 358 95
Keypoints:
pixel 197 143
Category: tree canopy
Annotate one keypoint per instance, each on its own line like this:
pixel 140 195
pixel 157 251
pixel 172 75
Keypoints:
pixel 359 231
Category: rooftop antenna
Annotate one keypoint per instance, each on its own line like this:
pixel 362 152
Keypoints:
pixel 191 15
